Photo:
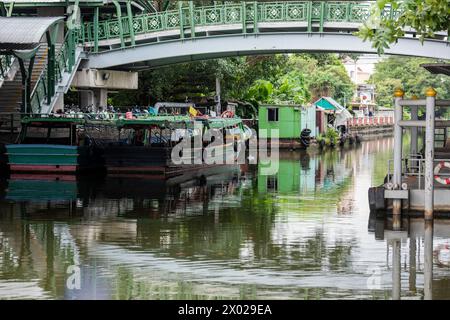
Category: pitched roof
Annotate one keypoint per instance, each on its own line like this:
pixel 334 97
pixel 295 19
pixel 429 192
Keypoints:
pixel 330 104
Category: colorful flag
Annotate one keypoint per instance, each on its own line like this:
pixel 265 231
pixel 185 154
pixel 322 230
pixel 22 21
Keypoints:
pixel 192 111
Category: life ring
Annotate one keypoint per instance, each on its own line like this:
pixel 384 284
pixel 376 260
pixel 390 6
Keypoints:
pixel 438 168
pixel 227 114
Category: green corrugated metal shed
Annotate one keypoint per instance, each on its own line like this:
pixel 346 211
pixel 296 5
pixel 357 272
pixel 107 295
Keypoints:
pixel 292 119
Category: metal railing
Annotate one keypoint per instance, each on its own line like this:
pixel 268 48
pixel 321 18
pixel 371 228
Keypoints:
pixel 64 62
pixel 312 13
pixel 413 166
pixel 9 122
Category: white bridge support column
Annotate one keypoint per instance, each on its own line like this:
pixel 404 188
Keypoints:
pixel 86 98
pixel 397 179
pixel 429 153
pixel 101 98
pixel 94 98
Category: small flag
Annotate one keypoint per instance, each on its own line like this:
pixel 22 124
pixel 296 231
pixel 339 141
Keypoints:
pixel 192 111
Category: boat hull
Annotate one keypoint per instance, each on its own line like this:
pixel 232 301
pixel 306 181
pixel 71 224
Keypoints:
pixel 46 158
pixel 156 161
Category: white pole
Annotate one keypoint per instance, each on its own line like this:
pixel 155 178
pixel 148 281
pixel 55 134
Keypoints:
pixel 414 142
pixel 218 93
pixel 429 153
pixel 398 137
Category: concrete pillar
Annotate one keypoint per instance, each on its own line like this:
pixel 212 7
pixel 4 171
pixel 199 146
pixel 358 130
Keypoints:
pixel 398 137
pixel 428 261
pixel 94 97
pixel 429 152
pixel 86 98
pixel 101 98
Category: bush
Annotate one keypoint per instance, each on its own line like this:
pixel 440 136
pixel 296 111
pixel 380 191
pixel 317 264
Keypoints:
pixel 332 135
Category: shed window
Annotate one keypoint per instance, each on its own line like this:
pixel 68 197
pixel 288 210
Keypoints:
pixel 272 183
pixel 272 114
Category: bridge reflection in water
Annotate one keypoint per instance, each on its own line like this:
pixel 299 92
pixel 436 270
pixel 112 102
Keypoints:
pixel 234 233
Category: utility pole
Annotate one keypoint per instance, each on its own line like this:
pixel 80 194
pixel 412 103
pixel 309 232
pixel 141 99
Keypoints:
pixel 217 97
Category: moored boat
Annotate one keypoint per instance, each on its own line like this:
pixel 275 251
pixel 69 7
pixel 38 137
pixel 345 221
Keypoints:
pixel 53 145
pixel 170 145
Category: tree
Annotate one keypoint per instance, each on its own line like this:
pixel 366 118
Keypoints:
pixel 325 75
pixel 197 79
pixel 290 88
pixel 406 73
pixel 425 16
pixel 296 78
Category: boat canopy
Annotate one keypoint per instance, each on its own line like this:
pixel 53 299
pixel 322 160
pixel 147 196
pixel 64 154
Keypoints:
pixel 160 121
pixel 219 123
pixel 170 122
pixel 51 120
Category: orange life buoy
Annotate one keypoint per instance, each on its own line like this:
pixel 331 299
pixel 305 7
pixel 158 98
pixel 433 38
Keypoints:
pixel 438 168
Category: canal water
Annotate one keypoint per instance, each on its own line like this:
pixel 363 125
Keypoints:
pixel 234 233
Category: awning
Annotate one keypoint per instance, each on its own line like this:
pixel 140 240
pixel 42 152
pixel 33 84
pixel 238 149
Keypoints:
pixel 24 33
pixel 437 68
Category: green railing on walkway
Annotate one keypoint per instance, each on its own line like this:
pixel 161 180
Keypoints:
pixel 246 14
pixel 43 93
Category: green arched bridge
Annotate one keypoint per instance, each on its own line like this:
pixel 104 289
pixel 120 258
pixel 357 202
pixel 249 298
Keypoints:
pixel 139 40
pixel 241 28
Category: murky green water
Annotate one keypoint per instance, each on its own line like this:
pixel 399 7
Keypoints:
pixel 303 233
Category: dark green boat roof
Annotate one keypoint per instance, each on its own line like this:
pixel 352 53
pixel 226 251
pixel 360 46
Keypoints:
pixel 30 120
pixel 160 121
pixel 218 123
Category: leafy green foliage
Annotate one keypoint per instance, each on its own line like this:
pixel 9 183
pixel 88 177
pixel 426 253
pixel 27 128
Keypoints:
pixel 406 73
pixel 325 76
pixel 425 16
pixel 261 91
pixel 330 137
pixel 282 78
pixel 290 88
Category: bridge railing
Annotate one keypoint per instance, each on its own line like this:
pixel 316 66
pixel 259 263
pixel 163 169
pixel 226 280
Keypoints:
pixel 247 15
pixel 43 93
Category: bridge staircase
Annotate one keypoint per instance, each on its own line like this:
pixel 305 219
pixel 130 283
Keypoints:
pixel 11 90
pixel 43 100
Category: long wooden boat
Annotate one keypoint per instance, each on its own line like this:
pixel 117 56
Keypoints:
pixel 149 145
pixel 53 145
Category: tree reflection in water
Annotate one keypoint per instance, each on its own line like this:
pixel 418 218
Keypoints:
pixel 228 233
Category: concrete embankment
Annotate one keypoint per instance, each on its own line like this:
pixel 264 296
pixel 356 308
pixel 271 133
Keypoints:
pixel 372 132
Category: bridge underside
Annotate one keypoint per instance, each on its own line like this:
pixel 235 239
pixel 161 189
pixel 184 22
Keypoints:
pixel 159 53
